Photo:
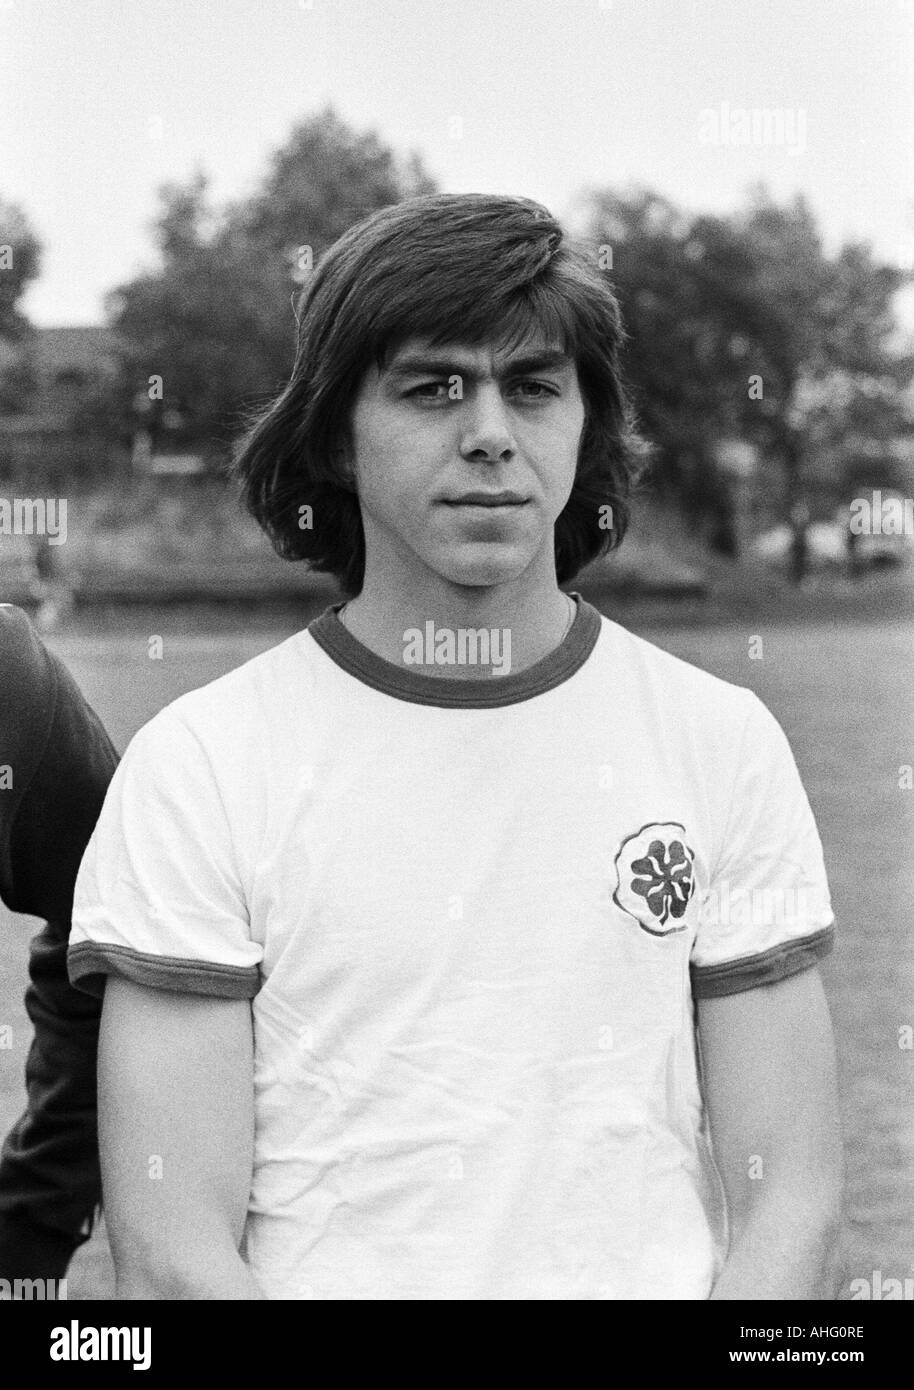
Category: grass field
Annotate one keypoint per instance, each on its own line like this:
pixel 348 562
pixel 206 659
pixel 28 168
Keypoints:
pixel 843 692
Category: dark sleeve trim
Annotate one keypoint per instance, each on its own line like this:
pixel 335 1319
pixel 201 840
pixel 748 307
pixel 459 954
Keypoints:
pixel 89 962
pixel 766 968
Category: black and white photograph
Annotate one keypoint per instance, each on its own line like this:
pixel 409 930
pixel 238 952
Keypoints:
pixel 456 661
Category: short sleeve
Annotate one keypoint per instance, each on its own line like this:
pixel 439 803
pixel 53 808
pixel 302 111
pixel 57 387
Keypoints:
pixel 767 911
pixel 158 897
pixel 60 805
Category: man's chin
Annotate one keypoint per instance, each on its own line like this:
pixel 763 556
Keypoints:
pixel 483 571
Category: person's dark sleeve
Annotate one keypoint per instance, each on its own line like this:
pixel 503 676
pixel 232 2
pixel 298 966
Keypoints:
pixel 49 1173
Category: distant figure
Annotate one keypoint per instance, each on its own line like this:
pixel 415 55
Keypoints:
pixel 799 544
pixel 852 548
pixel 50 589
pixel 723 538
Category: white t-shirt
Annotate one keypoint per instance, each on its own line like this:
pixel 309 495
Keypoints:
pixel 472 917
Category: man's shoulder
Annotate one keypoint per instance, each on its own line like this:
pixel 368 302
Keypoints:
pixel 24 659
pixel 27 679
pixel 669 681
pixel 259 693
pixel 40 696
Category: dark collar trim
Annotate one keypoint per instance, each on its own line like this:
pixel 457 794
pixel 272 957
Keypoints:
pixel 447 691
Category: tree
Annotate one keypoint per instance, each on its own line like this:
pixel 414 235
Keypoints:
pixel 742 326
pixel 325 178
pixel 692 313
pixel 202 335
pixel 216 321
pixel 20 260
pixel 852 401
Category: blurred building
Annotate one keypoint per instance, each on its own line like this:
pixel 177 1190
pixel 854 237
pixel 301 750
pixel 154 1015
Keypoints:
pixel 67 367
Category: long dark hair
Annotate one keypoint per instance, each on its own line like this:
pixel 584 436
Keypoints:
pixel 451 269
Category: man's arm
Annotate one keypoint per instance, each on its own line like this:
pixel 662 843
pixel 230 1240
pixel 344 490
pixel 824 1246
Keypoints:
pixel 61 761
pixel 769 1078
pixel 49 1175
pixel 176 1136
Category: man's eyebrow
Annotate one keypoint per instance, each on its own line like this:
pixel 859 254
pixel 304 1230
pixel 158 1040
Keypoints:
pixel 422 363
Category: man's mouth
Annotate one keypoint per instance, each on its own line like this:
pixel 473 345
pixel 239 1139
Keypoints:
pixel 487 499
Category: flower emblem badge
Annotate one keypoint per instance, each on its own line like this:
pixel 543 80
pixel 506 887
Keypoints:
pixel 655 877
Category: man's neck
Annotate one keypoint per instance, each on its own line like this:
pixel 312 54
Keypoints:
pixel 431 634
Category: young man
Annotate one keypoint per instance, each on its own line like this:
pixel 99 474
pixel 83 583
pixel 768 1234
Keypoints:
pixel 55 765
pixel 403 939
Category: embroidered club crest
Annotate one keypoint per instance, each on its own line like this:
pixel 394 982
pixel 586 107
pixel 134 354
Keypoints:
pixel 655 877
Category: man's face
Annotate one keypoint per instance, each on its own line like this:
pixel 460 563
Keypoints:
pixel 465 456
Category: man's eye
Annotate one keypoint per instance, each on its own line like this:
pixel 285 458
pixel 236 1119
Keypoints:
pixel 536 390
pixel 430 391
pixel 441 390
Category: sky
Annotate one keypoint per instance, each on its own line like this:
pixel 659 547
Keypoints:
pixel 102 101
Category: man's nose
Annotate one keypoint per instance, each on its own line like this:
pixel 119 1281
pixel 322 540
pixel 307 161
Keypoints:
pixel 487 432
